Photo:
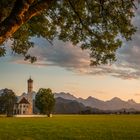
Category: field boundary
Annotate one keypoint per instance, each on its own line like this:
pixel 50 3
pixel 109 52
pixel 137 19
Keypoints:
pixel 30 116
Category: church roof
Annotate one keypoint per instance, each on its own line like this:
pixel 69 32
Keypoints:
pixel 23 101
pixel 30 80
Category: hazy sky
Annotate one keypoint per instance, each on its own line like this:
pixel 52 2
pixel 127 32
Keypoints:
pixel 65 68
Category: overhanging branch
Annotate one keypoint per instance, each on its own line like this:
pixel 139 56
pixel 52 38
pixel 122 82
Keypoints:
pixel 22 11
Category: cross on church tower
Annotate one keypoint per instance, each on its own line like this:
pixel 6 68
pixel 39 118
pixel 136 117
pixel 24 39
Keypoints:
pixel 30 85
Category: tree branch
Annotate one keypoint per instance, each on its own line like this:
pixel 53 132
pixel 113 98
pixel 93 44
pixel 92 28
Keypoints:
pixel 22 11
pixel 38 8
pixel 81 21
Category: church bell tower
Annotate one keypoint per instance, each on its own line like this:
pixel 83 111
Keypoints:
pixel 30 85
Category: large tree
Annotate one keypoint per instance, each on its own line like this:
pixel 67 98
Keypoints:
pixel 96 25
pixel 7 102
pixel 45 101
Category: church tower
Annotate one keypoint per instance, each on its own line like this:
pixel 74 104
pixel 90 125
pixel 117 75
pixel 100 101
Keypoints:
pixel 30 85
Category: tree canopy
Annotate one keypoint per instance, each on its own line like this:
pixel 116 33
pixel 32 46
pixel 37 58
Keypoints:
pixel 96 25
pixel 45 101
pixel 7 101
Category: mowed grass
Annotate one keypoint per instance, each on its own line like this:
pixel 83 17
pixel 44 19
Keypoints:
pixel 72 127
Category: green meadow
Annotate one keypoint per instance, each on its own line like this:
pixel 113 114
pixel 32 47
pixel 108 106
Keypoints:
pixel 72 127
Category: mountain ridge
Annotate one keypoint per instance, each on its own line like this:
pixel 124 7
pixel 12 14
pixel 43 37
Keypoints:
pixel 113 104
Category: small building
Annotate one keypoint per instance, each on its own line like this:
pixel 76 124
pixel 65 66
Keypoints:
pixel 25 102
pixel 22 107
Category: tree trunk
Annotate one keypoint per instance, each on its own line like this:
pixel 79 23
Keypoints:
pixel 22 11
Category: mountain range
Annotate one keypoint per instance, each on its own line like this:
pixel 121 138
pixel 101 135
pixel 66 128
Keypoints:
pixel 67 103
pixel 113 104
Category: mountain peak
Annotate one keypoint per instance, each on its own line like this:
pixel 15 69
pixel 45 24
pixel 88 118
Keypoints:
pixel 115 99
pixel 131 101
pixel 90 98
pixel 65 95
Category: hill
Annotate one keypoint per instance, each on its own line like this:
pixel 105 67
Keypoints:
pixel 64 106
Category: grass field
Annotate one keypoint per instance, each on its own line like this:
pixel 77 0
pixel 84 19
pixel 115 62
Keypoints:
pixel 72 127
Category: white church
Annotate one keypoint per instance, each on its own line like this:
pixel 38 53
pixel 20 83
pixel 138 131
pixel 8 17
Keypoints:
pixel 25 103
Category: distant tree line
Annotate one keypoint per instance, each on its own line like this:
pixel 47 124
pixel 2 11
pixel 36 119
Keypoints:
pixel 98 111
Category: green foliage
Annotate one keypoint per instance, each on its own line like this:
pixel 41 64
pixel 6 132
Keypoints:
pixel 5 8
pixel 72 127
pixel 2 51
pixel 45 101
pixel 7 101
pixel 96 25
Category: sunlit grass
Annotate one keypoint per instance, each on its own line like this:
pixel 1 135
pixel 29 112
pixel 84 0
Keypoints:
pixel 72 127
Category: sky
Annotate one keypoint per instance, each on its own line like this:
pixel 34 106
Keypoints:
pixel 66 68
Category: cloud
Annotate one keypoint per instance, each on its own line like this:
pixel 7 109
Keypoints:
pixel 59 54
pixel 99 92
pixel 73 58
pixel 129 55
pixel 137 94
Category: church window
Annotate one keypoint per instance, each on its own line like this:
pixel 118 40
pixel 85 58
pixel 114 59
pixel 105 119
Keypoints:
pixel 18 111
pixel 15 111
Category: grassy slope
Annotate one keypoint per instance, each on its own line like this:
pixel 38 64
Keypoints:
pixel 76 127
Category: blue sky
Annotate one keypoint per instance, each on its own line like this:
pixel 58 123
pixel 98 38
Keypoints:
pixel 64 67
